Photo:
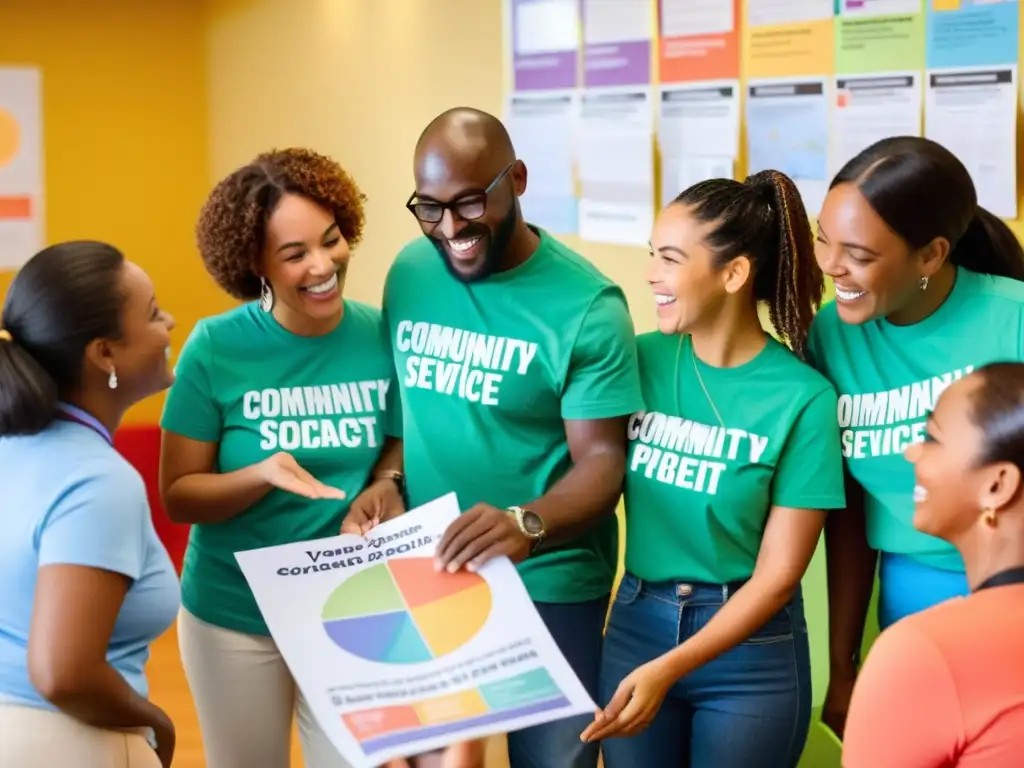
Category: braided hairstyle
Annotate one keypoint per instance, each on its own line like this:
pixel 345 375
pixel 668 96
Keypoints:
pixel 763 218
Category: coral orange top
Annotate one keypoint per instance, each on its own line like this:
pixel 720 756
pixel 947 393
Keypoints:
pixel 945 687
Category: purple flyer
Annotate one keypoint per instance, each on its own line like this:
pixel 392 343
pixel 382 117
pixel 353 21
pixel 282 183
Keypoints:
pixel 545 44
pixel 617 37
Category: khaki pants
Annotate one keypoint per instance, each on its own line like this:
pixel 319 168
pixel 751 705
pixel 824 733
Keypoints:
pixel 245 698
pixel 42 738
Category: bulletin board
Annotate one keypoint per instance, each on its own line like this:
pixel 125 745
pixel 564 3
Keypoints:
pixel 618 105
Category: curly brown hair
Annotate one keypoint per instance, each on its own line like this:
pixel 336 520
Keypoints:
pixel 232 224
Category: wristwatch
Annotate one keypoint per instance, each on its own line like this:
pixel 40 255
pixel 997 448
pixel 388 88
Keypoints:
pixel 395 476
pixel 531 524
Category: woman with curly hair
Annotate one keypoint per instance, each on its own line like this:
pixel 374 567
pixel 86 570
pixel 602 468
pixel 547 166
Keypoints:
pixel 275 423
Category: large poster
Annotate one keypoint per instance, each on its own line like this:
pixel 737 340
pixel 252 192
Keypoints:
pixel 397 659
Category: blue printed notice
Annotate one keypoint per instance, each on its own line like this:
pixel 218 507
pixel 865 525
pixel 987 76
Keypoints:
pixel 557 215
pixel 971 33
pixel 541 125
pixel 787 129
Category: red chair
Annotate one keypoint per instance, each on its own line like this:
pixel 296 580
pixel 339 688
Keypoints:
pixel 140 445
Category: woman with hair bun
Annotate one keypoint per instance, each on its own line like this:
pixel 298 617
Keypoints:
pixel 731 471
pixel 85 583
pixel 928 288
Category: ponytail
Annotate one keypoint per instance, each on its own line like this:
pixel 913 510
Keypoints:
pixel 28 394
pixel 990 247
pixel 763 218
pixel 922 191
pixel 64 298
pixel 791 283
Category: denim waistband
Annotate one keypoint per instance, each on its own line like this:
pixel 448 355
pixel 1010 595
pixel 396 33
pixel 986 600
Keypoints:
pixel 682 592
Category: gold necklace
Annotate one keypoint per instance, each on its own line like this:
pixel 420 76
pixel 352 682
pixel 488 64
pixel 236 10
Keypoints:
pixel 700 380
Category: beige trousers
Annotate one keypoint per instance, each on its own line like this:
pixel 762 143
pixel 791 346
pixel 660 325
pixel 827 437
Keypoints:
pixel 245 698
pixel 42 738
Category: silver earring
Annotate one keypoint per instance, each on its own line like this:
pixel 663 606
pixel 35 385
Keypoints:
pixel 266 295
pixel 112 381
pixel 924 283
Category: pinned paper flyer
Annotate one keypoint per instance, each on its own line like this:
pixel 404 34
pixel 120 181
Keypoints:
pixel 396 659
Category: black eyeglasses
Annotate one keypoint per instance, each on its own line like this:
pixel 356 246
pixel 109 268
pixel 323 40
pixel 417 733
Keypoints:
pixel 468 207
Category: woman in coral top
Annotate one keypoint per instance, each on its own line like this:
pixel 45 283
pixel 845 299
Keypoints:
pixel 945 687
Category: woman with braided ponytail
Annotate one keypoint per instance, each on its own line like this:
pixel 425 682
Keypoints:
pixel 731 470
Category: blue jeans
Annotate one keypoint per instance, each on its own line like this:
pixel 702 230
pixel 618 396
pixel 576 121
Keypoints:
pixel 748 708
pixel 576 629
pixel 907 586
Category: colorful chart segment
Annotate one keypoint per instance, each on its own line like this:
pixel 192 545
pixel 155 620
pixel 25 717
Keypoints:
pixel 404 612
pixel 386 727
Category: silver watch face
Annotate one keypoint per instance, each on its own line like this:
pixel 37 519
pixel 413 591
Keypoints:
pixel 532 523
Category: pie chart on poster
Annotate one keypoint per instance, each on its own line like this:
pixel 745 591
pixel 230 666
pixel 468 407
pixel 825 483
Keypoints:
pixel 404 612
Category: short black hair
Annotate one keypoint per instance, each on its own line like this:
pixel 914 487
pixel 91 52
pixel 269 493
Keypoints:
pixel 997 409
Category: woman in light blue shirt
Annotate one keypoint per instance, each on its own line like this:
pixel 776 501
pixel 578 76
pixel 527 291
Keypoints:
pixel 85 584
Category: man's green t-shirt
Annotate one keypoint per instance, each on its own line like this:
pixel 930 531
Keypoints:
pixel 488 373
pixel 889 377
pixel 698 490
pixel 256 389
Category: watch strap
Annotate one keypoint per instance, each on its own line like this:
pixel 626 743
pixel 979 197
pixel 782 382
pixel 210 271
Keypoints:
pixel 535 538
pixel 394 476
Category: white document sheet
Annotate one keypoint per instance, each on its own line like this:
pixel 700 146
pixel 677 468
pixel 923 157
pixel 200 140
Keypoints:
pixel 973 113
pixel 868 108
pixel 543 128
pixel 396 659
pixel 689 18
pixel 616 166
pixel 771 12
pixel 697 120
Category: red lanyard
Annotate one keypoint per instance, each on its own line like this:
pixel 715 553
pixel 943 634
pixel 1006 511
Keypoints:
pixel 85 421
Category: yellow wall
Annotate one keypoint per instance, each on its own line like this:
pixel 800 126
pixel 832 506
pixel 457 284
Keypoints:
pixel 125 128
pixel 359 80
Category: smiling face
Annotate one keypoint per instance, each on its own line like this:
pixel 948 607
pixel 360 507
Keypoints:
pixel 947 483
pixel 467 208
pixel 141 356
pixel 305 260
pixel 687 284
pixel 956 485
pixel 876 274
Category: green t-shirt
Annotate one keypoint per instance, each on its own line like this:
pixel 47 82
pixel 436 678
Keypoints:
pixel 697 495
pixel 488 372
pixel 256 389
pixel 888 378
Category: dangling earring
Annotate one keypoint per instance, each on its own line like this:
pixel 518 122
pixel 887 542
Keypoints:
pixel 924 283
pixel 989 517
pixel 266 295
pixel 112 381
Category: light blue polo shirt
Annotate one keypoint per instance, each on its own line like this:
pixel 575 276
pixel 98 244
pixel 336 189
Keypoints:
pixel 68 497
